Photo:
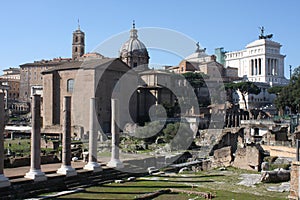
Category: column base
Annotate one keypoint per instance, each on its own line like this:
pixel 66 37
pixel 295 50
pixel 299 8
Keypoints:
pixel 67 170
pixel 4 182
pixel 115 163
pixel 36 175
pixel 93 166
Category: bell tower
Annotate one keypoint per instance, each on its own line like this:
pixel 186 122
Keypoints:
pixel 78 46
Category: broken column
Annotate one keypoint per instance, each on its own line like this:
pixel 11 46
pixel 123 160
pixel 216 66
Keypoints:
pixel 92 162
pixel 115 134
pixel 35 172
pixel 66 167
pixel 295 180
pixel 4 182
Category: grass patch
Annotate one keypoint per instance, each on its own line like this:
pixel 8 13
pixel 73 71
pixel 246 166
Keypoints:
pixel 223 184
pixel 18 146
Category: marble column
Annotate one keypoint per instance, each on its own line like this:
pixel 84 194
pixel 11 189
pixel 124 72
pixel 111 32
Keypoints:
pixel 115 134
pixel 92 162
pixel 35 172
pixel 4 182
pixel 66 167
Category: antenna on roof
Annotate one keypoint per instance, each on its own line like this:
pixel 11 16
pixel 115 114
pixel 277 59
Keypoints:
pixel 133 24
pixel 78 24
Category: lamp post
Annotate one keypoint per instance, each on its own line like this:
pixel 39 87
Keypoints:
pixel 290 72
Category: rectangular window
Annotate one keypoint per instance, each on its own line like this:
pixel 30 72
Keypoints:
pixel 70 85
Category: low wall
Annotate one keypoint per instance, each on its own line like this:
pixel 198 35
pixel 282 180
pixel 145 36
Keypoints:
pixel 280 151
pixel 25 161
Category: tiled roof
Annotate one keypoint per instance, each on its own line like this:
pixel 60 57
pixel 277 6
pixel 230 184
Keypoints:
pixel 87 64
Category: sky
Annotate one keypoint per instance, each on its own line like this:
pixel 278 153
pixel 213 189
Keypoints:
pixel 35 30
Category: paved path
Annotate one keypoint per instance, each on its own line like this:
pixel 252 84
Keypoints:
pixel 19 172
pixel 47 168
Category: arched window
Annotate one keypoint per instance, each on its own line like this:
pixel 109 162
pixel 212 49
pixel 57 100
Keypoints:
pixel 70 85
pixel 76 39
pixel 82 41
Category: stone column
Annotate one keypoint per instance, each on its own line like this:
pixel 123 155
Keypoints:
pixel 66 167
pixel 294 182
pixel 92 162
pixel 115 160
pixel 35 172
pixel 4 182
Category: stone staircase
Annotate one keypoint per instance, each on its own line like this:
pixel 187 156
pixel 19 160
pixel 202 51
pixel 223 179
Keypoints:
pixel 22 188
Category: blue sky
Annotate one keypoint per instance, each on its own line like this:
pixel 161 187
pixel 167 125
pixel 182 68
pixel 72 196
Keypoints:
pixel 34 30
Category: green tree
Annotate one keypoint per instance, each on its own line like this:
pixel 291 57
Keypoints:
pixel 170 131
pixel 196 79
pixel 289 96
pixel 148 132
pixel 244 88
pixel 178 135
pixel 275 90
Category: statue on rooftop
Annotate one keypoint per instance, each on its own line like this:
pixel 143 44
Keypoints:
pixel 262 35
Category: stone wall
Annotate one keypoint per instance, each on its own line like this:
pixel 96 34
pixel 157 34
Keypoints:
pixel 222 157
pixel 249 157
pixel 49 144
pixel 25 161
pixel 229 137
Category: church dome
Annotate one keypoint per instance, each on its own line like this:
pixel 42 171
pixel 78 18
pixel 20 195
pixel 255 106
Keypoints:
pixel 198 56
pixel 134 50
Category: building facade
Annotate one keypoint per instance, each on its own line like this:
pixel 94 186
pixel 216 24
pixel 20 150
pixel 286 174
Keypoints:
pixel 260 61
pixel 80 80
pixel 11 78
pixel 199 61
pixel 102 76
pixel 31 78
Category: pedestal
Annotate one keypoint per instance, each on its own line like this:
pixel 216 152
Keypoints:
pixel 36 175
pixel 93 166
pixel 67 170
pixel 115 163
